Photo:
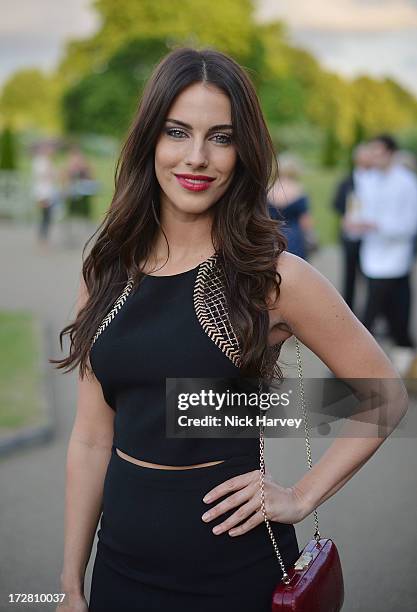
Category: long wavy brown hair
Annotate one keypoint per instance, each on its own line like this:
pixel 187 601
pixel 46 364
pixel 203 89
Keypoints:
pixel 247 241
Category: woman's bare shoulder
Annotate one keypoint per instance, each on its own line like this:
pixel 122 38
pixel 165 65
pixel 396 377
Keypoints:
pixel 301 285
pixel 294 270
pixel 291 269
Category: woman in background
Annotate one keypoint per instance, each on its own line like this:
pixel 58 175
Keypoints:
pixel 79 187
pixel 289 202
pixel 44 186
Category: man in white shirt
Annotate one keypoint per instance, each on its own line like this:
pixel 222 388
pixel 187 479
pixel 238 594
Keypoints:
pixel 347 203
pixel 389 224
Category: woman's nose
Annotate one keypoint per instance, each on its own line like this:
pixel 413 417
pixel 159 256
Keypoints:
pixel 197 154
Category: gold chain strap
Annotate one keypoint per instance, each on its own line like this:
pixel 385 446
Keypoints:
pixel 317 536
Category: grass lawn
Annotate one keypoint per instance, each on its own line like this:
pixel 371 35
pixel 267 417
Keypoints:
pixel 320 185
pixel 104 168
pixel 21 402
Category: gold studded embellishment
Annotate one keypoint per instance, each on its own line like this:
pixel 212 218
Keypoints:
pixel 116 307
pixel 211 309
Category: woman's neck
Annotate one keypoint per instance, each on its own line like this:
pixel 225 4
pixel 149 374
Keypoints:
pixel 188 236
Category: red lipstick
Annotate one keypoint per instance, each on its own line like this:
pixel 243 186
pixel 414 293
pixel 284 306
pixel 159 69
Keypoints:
pixel 194 182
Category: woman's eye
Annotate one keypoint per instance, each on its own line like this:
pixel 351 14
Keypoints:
pixel 227 138
pixel 174 132
pixel 171 132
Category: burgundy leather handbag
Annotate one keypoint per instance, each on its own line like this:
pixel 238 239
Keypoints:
pixel 315 582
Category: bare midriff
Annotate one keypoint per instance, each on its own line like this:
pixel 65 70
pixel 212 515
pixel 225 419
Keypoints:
pixel 158 466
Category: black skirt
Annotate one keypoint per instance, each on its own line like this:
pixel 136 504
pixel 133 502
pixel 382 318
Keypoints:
pixel 155 553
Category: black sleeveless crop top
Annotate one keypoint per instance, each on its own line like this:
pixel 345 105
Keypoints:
pixel 154 332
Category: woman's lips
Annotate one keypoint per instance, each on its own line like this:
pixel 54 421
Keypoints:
pixel 192 184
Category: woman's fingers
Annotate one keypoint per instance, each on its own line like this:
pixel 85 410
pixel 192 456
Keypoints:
pixel 253 521
pixel 233 484
pixel 242 513
pixel 230 502
pixel 246 485
pixel 280 504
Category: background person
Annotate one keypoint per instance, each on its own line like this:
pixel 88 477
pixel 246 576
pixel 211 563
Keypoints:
pixel 289 202
pixel 78 175
pixel 78 189
pixel 44 187
pixel 408 160
pixel 348 203
pixel 386 254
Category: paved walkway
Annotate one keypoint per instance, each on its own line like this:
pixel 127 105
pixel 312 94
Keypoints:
pixel 371 518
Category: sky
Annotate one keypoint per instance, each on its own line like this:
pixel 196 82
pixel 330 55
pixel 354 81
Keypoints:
pixel 376 37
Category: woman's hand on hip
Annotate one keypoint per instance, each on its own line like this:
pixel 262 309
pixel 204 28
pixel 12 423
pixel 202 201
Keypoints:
pixel 282 504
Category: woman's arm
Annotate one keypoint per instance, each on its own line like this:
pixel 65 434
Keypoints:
pixel 88 455
pixel 316 314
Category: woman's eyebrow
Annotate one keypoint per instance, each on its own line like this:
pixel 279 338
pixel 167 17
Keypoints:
pixel 223 126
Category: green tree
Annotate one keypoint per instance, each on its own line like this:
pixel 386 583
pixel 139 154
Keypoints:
pixel 30 99
pixel 8 153
pixel 104 103
pixel 404 99
pixel 228 27
pixel 100 79
pixel 283 99
pixel 359 132
pixel 378 106
pixel 331 148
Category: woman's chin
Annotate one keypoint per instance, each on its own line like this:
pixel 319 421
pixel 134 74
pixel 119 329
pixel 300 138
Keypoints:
pixel 190 207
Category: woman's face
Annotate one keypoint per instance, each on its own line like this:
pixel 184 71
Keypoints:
pixel 196 140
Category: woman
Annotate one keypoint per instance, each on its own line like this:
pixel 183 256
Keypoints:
pixel 190 199
pixel 45 190
pixel 79 186
pixel 289 202
pixel 77 176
